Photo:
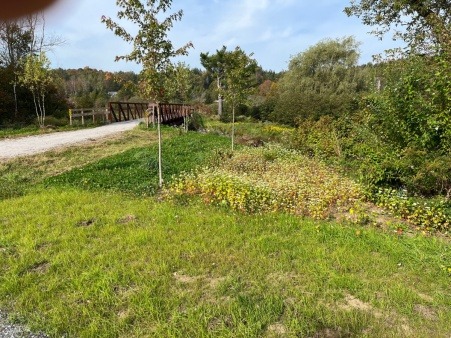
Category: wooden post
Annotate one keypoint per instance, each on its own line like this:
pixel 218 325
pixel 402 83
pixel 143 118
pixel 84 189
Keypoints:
pixel 70 117
pixel 82 118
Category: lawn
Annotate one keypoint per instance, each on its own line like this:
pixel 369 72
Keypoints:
pixel 109 258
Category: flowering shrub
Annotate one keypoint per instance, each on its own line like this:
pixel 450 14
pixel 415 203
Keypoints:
pixel 269 179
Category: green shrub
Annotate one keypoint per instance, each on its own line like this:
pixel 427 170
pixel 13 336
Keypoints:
pixel 56 121
pixel 425 214
pixel 196 122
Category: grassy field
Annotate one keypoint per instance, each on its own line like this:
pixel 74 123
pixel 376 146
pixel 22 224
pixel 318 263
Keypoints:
pixel 88 250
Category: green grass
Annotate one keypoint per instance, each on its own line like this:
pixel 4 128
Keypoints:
pixel 17 132
pixel 100 264
pixel 102 161
pixel 252 133
pixel 136 170
pixel 98 259
pixel 17 176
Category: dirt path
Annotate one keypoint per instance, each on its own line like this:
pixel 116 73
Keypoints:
pixel 31 145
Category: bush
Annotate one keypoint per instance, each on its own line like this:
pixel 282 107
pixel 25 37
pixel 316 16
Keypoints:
pixel 427 215
pixel 317 138
pixel 196 122
pixel 56 122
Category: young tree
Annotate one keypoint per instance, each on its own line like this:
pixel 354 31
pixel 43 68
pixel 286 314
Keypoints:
pixel 36 77
pixel 151 47
pixel 181 80
pixel 239 80
pixel 179 88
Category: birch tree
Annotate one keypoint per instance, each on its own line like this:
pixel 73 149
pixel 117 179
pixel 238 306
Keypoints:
pixel 151 48
pixel 215 65
pixel 36 78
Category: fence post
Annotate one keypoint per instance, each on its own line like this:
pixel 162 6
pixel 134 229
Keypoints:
pixel 70 117
pixel 82 117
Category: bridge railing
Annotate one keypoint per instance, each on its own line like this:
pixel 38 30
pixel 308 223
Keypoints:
pixel 124 111
pixel 168 112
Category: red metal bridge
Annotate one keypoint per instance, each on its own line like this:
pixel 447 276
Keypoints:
pixel 169 112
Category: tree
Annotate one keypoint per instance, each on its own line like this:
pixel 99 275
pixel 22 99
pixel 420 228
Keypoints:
pixel 36 77
pixel 426 24
pixel 179 87
pixel 182 88
pixel 15 39
pixel 320 81
pixel 239 80
pixel 14 42
pixel 215 65
pixel 22 37
pixel 411 113
pixel 151 48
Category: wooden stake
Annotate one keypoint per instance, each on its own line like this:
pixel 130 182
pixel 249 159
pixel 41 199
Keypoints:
pixel 160 172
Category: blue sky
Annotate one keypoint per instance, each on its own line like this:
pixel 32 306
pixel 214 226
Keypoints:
pixel 274 30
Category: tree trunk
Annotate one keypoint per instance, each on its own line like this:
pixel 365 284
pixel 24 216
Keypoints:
pixel 160 171
pixel 16 109
pixel 36 108
pixel 43 109
pixel 219 105
pixel 41 118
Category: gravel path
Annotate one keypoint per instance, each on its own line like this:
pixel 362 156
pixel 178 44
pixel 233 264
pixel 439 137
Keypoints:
pixel 31 145
pixel 16 331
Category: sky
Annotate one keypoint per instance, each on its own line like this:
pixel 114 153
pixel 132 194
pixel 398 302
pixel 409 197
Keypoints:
pixel 273 30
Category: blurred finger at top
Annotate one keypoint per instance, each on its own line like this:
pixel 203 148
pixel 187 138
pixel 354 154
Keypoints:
pixel 14 9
